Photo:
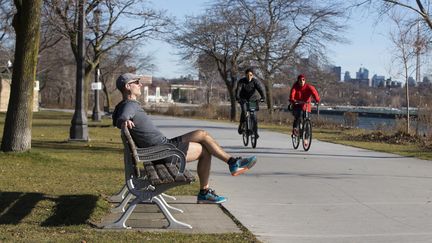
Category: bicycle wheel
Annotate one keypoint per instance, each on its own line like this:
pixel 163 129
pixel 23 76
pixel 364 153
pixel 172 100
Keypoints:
pixel 253 128
pixel 245 133
pixel 307 135
pixel 296 139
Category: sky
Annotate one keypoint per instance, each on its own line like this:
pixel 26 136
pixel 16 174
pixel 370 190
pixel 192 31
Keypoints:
pixel 369 45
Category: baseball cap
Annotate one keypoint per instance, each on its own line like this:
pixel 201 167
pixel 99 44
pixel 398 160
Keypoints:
pixel 125 78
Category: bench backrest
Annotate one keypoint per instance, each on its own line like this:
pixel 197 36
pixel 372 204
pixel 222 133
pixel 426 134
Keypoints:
pixel 130 154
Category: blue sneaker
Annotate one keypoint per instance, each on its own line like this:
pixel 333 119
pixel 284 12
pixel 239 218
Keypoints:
pixel 210 197
pixel 242 165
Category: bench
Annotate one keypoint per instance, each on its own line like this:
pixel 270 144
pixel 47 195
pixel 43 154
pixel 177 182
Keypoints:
pixel 146 183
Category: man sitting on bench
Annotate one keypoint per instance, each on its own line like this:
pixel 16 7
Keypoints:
pixel 196 145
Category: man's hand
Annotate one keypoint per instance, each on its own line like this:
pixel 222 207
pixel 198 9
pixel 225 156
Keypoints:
pixel 262 100
pixel 129 124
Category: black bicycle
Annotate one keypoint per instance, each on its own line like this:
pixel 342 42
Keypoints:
pixel 304 129
pixel 250 125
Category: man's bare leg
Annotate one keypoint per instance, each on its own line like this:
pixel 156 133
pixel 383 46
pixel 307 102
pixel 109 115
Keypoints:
pixel 236 166
pixel 197 152
pixel 202 137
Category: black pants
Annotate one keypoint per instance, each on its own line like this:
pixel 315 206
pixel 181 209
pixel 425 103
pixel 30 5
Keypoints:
pixel 244 108
pixel 298 114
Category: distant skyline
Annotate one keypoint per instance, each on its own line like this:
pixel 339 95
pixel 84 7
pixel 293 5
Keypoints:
pixel 369 47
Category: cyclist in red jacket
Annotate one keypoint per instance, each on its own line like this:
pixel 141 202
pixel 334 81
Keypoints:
pixel 300 98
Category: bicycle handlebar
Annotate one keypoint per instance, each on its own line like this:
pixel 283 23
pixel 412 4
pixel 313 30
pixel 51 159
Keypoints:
pixel 303 102
pixel 249 101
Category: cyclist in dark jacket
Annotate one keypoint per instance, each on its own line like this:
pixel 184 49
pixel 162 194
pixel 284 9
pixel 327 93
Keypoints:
pixel 246 91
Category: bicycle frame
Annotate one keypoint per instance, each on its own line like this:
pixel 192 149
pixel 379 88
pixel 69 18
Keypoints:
pixel 251 107
pixel 304 129
pixel 250 123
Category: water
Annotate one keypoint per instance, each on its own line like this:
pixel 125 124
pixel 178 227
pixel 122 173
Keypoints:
pixel 377 123
pixel 369 123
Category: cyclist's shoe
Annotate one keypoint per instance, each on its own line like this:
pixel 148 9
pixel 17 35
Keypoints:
pixel 256 135
pixel 242 165
pixel 210 197
pixel 295 132
pixel 305 143
pixel 240 129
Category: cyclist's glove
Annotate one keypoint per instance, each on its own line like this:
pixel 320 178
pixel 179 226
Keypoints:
pixel 262 100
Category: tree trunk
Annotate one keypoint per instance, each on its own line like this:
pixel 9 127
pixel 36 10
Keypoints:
pixel 407 99
pixel 233 105
pixel 17 129
pixel 107 98
pixel 269 93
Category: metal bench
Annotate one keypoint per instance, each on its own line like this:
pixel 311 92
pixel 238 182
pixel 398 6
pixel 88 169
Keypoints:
pixel 146 184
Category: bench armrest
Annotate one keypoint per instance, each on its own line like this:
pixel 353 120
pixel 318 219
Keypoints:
pixel 155 149
pixel 153 153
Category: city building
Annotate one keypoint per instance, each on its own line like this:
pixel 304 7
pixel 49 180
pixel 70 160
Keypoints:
pixel 363 73
pixel 336 71
pixel 412 82
pixel 378 81
pixel 392 83
pixel 347 76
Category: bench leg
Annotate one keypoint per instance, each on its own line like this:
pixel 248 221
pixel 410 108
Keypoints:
pixel 173 223
pixel 121 207
pixel 119 195
pixel 169 206
pixel 121 222
pixel 169 196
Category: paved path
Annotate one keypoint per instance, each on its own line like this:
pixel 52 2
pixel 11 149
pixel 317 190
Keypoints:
pixel 332 193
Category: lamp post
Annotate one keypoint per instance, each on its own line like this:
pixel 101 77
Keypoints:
pixel 96 116
pixel 79 129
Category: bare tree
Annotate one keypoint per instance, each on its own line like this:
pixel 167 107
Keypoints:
pixel 6 31
pixel 6 15
pixel 221 34
pixel 404 39
pixel 420 8
pixel 209 75
pixel 56 74
pixel 17 129
pixel 286 29
pixel 123 58
pixel 110 22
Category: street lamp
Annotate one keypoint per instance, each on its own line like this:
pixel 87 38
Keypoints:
pixel 96 116
pixel 79 129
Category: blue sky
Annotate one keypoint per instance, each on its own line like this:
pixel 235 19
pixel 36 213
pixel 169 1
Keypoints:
pixel 369 47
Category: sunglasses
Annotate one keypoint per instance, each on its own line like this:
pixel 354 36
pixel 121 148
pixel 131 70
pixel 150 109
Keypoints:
pixel 135 82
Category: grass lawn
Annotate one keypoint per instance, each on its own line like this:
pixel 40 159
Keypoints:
pixel 57 190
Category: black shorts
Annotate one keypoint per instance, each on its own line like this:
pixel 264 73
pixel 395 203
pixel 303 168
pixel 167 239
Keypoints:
pixel 178 143
pixel 182 146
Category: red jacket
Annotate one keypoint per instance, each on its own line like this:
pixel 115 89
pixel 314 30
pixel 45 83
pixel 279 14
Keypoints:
pixel 303 94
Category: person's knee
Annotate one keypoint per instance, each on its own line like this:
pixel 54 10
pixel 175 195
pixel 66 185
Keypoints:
pixel 202 133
